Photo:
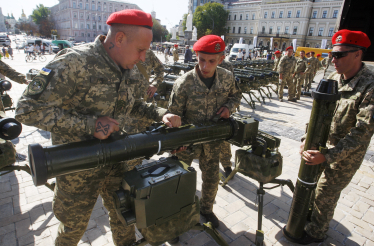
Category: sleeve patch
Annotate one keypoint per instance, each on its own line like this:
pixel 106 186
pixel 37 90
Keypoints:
pixel 37 86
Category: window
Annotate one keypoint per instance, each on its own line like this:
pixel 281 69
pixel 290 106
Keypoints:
pixel 281 14
pixel 93 6
pixel 314 15
pixel 278 29
pixel 75 15
pixel 88 35
pixel 263 30
pixel 294 30
pixel 233 30
pixel 311 30
pixel 320 31
pixel 298 14
pixel 104 7
pixel 246 16
pixel 87 6
pixel 289 14
pixel 94 26
pixel 75 34
pixel 93 18
pixel 245 30
pixel 335 15
pixel 251 31
pixel 241 17
pixel 234 17
pixel 88 26
pixel 324 14
pixel 99 18
pixel 82 25
pixel 270 30
pixel 110 9
pixel 81 15
pixel 253 16
pixel 229 17
pixel 88 17
pixel 74 5
pixel 307 45
pixel 273 14
pixel 105 27
pixel 82 34
pixel 76 25
pixel 331 31
pixel 265 15
pixel 239 29
pixel 250 42
pixel 286 30
pixel 99 8
pixel 81 5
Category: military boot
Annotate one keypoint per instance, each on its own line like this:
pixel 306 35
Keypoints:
pixel 228 170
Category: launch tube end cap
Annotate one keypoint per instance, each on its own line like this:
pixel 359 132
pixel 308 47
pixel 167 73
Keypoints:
pixel 327 90
pixel 38 164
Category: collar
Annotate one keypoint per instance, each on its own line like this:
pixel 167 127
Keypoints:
pixel 196 77
pixel 100 48
pixel 353 83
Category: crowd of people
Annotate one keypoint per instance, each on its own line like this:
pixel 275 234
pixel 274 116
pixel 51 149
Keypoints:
pixel 74 110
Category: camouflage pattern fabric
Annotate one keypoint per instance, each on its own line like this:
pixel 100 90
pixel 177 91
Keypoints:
pixel 276 63
pixel 7 153
pixel 193 101
pixel 80 85
pixel 286 68
pixel 350 133
pixel 301 65
pixel 9 72
pixel 326 62
pixel 153 63
pixel 227 65
pixel 175 54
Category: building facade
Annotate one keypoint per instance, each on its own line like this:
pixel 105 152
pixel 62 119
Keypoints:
pixel 307 21
pixel 83 20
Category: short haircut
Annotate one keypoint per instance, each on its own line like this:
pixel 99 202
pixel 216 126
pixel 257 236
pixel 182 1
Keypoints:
pixel 128 30
pixel 302 51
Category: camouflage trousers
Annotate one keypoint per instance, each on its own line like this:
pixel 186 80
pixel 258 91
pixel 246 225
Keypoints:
pixel 208 155
pixel 332 181
pixel 225 154
pixel 308 81
pixel 74 198
pixel 298 81
pixel 291 87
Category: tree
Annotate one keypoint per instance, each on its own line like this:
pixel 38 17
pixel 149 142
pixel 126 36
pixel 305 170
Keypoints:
pixel 184 23
pixel 29 28
pixel 211 18
pixel 158 31
pixel 40 14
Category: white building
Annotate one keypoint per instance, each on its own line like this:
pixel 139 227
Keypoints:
pixel 83 20
pixel 308 21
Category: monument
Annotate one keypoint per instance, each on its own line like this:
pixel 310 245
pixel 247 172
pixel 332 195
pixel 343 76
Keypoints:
pixel 2 23
pixel 194 34
pixel 188 31
pixel 173 32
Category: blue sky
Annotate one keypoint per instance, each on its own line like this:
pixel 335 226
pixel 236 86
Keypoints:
pixel 168 11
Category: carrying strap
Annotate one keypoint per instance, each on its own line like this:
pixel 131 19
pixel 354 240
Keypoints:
pixel 212 232
pixel 143 71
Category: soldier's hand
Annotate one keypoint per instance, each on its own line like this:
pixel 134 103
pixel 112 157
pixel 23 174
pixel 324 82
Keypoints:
pixel 313 157
pixel 224 112
pixel 178 150
pixel 105 126
pixel 302 147
pixel 151 90
pixel 172 120
pixel 280 76
pixel 28 82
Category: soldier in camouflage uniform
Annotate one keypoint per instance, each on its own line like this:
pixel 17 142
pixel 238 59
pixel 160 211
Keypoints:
pixel 278 56
pixel 310 71
pixel 200 95
pixel 175 53
pixel 286 68
pixel 299 75
pixel 350 133
pixel 326 62
pixel 87 92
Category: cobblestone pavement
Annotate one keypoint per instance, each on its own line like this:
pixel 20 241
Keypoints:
pixel 26 216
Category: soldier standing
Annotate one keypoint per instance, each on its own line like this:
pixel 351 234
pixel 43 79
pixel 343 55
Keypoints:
pixel 166 53
pixel 326 62
pixel 299 75
pixel 286 67
pixel 278 56
pixel 350 133
pixel 310 71
pixel 200 95
pixel 80 95
pixel 175 53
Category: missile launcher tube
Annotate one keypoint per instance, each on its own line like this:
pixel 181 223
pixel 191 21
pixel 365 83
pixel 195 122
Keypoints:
pixel 324 103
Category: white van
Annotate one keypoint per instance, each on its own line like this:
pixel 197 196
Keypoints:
pixel 235 49
pixel 46 43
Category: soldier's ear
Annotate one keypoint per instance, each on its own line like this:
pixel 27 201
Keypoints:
pixel 221 59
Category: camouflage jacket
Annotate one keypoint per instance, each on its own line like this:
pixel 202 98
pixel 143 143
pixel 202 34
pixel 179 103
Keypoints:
pixel 153 63
pixel 326 62
pixel 193 101
pixel 9 72
pixel 352 125
pixel 314 65
pixel 227 65
pixel 80 85
pixel 175 54
pixel 276 64
pixel 301 65
pixel 287 66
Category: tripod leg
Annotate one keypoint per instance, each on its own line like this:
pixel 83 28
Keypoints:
pixel 259 232
pixel 226 180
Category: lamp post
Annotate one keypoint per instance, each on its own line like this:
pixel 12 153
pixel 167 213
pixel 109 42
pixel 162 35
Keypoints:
pixel 204 11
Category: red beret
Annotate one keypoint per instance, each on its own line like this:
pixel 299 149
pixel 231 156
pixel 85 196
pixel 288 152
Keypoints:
pixel 277 52
pixel 210 44
pixel 175 45
pixel 289 47
pixel 131 17
pixel 351 38
pixel 318 55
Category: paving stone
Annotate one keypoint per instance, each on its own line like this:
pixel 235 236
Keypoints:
pixel 198 240
pixel 355 239
pixel 33 236
pixel 237 230
pixel 369 217
pixel 96 238
pixel 242 240
pixel 6 229
pixel 13 218
pixel 235 218
pixel 8 239
pixel 6 210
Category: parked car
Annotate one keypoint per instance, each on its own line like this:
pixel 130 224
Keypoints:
pixel 46 43
pixel 4 39
pixel 62 44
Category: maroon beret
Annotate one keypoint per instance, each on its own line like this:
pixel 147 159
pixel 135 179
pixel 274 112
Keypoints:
pixel 131 17
pixel 308 53
pixel 211 44
pixel 289 47
pixel 312 52
pixel 277 52
pixel 351 38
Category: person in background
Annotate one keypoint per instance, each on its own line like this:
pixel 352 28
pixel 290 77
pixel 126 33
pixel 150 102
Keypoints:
pixel 10 52
pixel 187 55
pixel 240 55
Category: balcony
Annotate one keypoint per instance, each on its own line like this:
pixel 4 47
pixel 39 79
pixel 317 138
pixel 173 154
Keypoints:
pixel 274 35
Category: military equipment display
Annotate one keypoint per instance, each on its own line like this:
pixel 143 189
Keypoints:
pixel 5 98
pixel 324 103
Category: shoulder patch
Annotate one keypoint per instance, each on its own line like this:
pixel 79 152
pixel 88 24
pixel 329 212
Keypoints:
pixel 37 85
pixel 45 71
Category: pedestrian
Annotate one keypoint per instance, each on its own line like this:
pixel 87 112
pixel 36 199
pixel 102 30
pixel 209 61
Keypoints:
pixel 187 55
pixel 350 133
pixel 166 52
pixel 90 94
pixel 286 68
pixel 278 56
pixel 4 51
pixel 10 52
pixel 311 71
pixel 37 49
pixel 50 49
pixel 175 53
pixel 240 55
pixel 42 48
pixel 299 74
pixel 268 56
pixel 199 95
pixel 6 54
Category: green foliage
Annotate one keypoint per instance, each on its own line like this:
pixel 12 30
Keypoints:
pixel 204 16
pixel 168 37
pixel 184 22
pixel 158 31
pixel 40 14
